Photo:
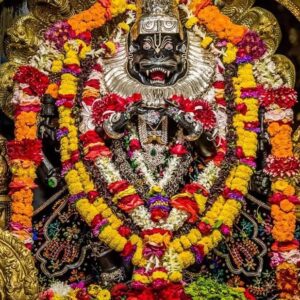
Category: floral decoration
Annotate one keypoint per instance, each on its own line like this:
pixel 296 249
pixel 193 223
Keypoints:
pixel 207 204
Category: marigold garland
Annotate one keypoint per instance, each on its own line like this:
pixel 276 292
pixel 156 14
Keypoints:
pixel 282 165
pixel 25 151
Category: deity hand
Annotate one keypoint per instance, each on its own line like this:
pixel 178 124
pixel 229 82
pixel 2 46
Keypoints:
pixel 186 121
pixel 260 183
pixel 114 125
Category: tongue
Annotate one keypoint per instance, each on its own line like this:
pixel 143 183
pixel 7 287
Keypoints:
pixel 158 75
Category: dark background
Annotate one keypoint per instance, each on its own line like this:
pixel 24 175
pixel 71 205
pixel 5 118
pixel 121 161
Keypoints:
pixel 290 26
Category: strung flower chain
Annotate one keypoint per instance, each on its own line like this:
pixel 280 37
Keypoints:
pixel 282 165
pixel 24 151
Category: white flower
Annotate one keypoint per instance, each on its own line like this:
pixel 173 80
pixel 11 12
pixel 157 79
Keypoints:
pixel 61 288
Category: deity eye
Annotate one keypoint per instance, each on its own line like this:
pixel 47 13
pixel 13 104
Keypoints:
pixel 169 46
pixel 146 46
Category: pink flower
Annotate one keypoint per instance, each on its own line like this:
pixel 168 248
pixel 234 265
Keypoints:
pixel 225 230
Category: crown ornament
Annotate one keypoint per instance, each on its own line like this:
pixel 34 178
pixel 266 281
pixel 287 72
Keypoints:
pixel 157 17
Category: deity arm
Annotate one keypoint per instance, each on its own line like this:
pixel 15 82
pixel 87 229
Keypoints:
pixel 260 181
pixel 116 122
pixel 48 171
pixel 186 121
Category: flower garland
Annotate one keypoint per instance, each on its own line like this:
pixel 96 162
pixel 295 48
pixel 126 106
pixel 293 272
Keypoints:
pixel 282 165
pixel 180 253
pixel 210 16
pixel 62 291
pixel 24 151
pixel 92 208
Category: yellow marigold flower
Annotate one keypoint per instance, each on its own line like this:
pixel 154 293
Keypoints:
pixel 191 22
pixel 92 213
pixel 195 232
pixel 137 257
pixel 185 242
pixel 94 289
pixel 117 7
pixel 107 213
pixel 206 42
pixel 121 245
pixel 124 26
pixel 201 201
pixel 159 275
pixel 131 7
pixel 57 66
pixel 141 278
pixel 111 46
pixel 107 234
pixel 230 54
pixel 127 192
pixel 135 239
pixel 155 189
pixel 175 276
pixel 104 295
pixel 176 245
pixel 186 258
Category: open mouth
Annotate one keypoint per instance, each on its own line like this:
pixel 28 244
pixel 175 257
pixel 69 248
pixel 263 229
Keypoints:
pixel 158 76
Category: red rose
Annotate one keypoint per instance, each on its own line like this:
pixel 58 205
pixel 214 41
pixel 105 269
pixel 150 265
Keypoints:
pixel 178 149
pixel 242 108
pixel 173 292
pixel 93 83
pixel 119 291
pixel 158 214
pixel 154 231
pixel 221 101
pixel 124 231
pixel 89 100
pixel 134 98
pixel 90 137
pixel 192 188
pixel 92 195
pixel 85 36
pixel 204 228
pixel 248 295
pixel 75 156
pixel 25 150
pixel 187 205
pixel 98 68
pixel 239 152
pixel 129 203
pixel 118 186
pixel 128 249
pixel 134 145
pixel 219 84
pixel 46 295
pixel 219 157
pixel 146 294
pixel 83 295
pixel 97 219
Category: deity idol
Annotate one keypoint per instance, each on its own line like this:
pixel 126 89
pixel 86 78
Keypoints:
pixel 145 143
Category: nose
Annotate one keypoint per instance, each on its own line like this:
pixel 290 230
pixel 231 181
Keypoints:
pixel 158 53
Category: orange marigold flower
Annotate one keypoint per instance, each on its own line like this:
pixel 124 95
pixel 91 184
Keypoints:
pixel 287 206
pixel 52 90
pixel 220 24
